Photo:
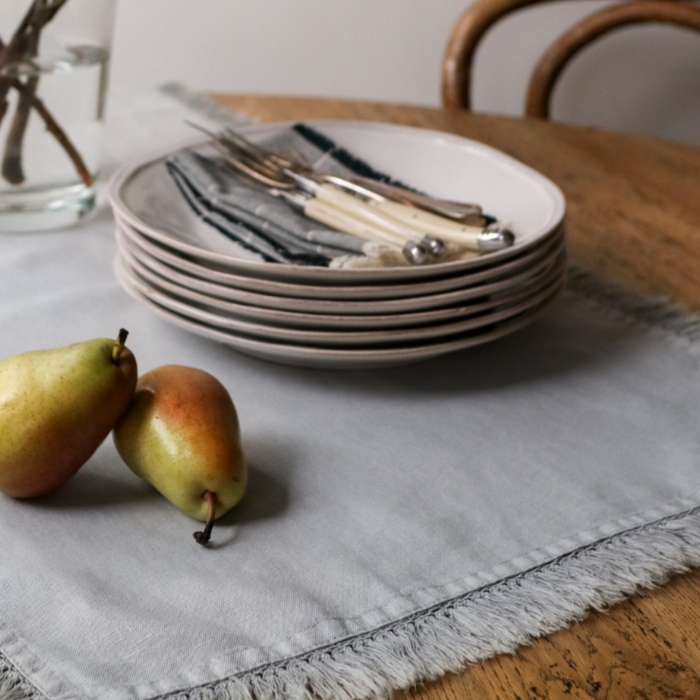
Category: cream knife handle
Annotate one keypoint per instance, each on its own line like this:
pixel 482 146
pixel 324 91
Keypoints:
pixel 428 223
pixel 441 207
pixel 359 209
pixel 372 188
pixel 340 221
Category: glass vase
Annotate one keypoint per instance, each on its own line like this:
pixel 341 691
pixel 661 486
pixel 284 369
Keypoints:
pixel 54 61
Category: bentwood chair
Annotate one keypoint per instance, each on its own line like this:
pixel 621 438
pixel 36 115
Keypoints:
pixel 483 14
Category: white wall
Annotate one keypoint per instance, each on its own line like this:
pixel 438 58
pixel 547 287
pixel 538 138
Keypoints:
pixel 644 80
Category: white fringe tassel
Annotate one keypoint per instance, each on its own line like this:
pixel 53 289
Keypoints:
pixel 13 685
pixel 495 619
pixel 657 311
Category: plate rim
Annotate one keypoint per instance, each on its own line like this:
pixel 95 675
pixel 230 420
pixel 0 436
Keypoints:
pixel 335 292
pixel 327 358
pixel 310 320
pixel 329 337
pixel 369 307
pixel 286 271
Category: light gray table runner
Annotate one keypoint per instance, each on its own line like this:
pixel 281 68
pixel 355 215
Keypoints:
pixel 398 523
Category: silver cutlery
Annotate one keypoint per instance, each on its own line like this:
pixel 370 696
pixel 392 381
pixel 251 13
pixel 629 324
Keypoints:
pixel 365 213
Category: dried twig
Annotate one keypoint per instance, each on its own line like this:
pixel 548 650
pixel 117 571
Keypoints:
pixel 12 169
pixel 3 98
pixel 22 47
pixel 58 133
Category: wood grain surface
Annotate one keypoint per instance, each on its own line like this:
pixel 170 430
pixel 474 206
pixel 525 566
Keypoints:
pixel 633 216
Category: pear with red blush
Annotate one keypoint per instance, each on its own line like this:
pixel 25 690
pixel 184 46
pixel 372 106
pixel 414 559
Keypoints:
pixel 181 434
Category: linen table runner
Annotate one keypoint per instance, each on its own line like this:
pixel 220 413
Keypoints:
pixel 398 523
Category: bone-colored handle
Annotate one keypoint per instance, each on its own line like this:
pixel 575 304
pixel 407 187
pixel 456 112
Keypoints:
pixel 339 220
pixel 437 226
pixel 400 219
pixel 456 211
pixel 359 209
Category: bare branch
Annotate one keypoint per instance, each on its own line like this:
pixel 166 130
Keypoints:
pixel 58 133
pixel 12 169
pixel 23 46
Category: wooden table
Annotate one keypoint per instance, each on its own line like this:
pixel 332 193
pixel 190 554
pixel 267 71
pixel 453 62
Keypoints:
pixel 633 216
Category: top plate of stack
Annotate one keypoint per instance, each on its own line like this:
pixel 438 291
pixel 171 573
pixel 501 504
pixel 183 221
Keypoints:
pixel 144 196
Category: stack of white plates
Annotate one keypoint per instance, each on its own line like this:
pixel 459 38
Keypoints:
pixel 193 276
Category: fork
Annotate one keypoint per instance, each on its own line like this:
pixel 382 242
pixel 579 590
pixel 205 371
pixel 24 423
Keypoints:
pixel 365 186
pixel 415 251
pixel 353 219
pixel 401 222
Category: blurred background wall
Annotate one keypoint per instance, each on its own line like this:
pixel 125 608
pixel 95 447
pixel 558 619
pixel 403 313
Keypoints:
pixel 643 80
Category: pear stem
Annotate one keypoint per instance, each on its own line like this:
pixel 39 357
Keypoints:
pixel 121 339
pixel 203 536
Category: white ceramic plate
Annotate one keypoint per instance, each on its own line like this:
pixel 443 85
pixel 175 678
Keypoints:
pixel 343 339
pixel 143 249
pixel 291 319
pixel 144 195
pixel 334 358
pixel 183 285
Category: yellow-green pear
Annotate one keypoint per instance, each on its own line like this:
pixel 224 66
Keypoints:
pixel 56 407
pixel 181 435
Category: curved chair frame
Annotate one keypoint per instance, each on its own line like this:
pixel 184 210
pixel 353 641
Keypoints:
pixel 483 14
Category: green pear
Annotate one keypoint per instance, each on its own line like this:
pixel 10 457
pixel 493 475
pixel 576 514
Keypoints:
pixel 56 407
pixel 181 435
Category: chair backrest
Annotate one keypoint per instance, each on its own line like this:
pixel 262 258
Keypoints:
pixel 483 14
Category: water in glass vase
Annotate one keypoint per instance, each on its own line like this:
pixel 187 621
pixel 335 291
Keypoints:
pixel 42 188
